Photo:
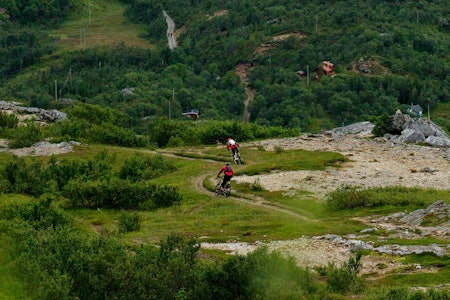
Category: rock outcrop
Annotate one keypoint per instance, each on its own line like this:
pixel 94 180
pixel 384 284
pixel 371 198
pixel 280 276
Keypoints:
pixel 403 129
pixel 420 130
pixel 39 113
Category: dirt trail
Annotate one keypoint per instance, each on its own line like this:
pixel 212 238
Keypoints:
pixel 374 163
pixel 257 201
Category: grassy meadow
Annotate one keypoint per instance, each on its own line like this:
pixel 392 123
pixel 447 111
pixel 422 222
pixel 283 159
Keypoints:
pixel 105 26
pixel 240 217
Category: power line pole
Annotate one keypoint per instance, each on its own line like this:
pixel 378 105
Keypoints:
pixel 83 38
pixel 89 18
pixel 307 75
pixel 56 91
pixel 173 99
pixel 316 22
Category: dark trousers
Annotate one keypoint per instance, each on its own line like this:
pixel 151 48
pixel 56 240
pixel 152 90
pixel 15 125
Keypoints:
pixel 226 178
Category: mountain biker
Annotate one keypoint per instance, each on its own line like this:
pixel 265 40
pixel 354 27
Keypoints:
pixel 233 146
pixel 228 173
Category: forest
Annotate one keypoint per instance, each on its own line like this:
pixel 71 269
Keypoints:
pixel 406 45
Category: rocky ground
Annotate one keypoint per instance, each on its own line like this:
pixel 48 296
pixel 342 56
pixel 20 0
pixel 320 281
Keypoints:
pixel 373 163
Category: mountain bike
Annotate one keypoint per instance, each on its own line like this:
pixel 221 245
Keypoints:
pixel 237 158
pixel 226 191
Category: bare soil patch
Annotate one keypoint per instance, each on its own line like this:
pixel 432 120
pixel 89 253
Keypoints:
pixel 373 163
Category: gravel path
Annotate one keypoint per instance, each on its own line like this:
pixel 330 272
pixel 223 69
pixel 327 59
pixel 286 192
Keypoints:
pixel 373 163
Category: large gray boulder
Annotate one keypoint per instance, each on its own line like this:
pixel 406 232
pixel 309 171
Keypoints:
pixel 356 128
pixel 416 130
pixel 402 129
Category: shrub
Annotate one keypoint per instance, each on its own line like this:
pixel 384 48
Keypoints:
pixel 348 197
pixel 129 221
pixel 8 120
pixel 175 141
pixel 278 149
pixel 260 275
pixel 25 178
pixel 110 134
pixel 345 278
pixel 40 214
pixel 381 124
pixel 256 186
pixel 119 194
pixel 140 167
pixel 25 136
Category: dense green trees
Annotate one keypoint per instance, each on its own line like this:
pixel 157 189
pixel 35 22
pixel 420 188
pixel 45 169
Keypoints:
pixel 21 48
pixel 409 57
pixel 58 261
pixel 32 12
pixel 92 183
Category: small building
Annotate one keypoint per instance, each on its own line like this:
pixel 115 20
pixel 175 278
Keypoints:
pixel 328 68
pixel 193 114
pixel 301 74
pixel 415 109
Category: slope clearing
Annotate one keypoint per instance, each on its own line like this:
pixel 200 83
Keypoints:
pixel 103 24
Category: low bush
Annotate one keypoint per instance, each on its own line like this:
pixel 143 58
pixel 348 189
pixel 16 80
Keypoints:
pixel 347 197
pixel 8 120
pixel 25 136
pixel 129 221
pixel 119 194
pixel 406 293
pixel 139 167
pixel 345 278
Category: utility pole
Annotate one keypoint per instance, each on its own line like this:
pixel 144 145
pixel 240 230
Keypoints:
pixel 89 18
pixel 173 99
pixel 56 91
pixel 82 38
pixel 316 22
pixel 307 75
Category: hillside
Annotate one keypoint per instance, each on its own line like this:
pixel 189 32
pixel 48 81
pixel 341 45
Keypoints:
pixel 373 163
pixel 104 24
pixel 107 188
pixel 371 47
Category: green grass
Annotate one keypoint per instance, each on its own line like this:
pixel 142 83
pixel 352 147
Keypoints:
pixel 10 286
pixel 107 26
pixel 218 218
pixel 257 161
pixel 240 217
pixel 441 116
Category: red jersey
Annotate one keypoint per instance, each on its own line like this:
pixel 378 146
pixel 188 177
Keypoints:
pixel 231 144
pixel 228 170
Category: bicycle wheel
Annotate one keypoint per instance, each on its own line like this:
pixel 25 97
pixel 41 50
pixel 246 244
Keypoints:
pixel 227 190
pixel 237 159
pixel 217 189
